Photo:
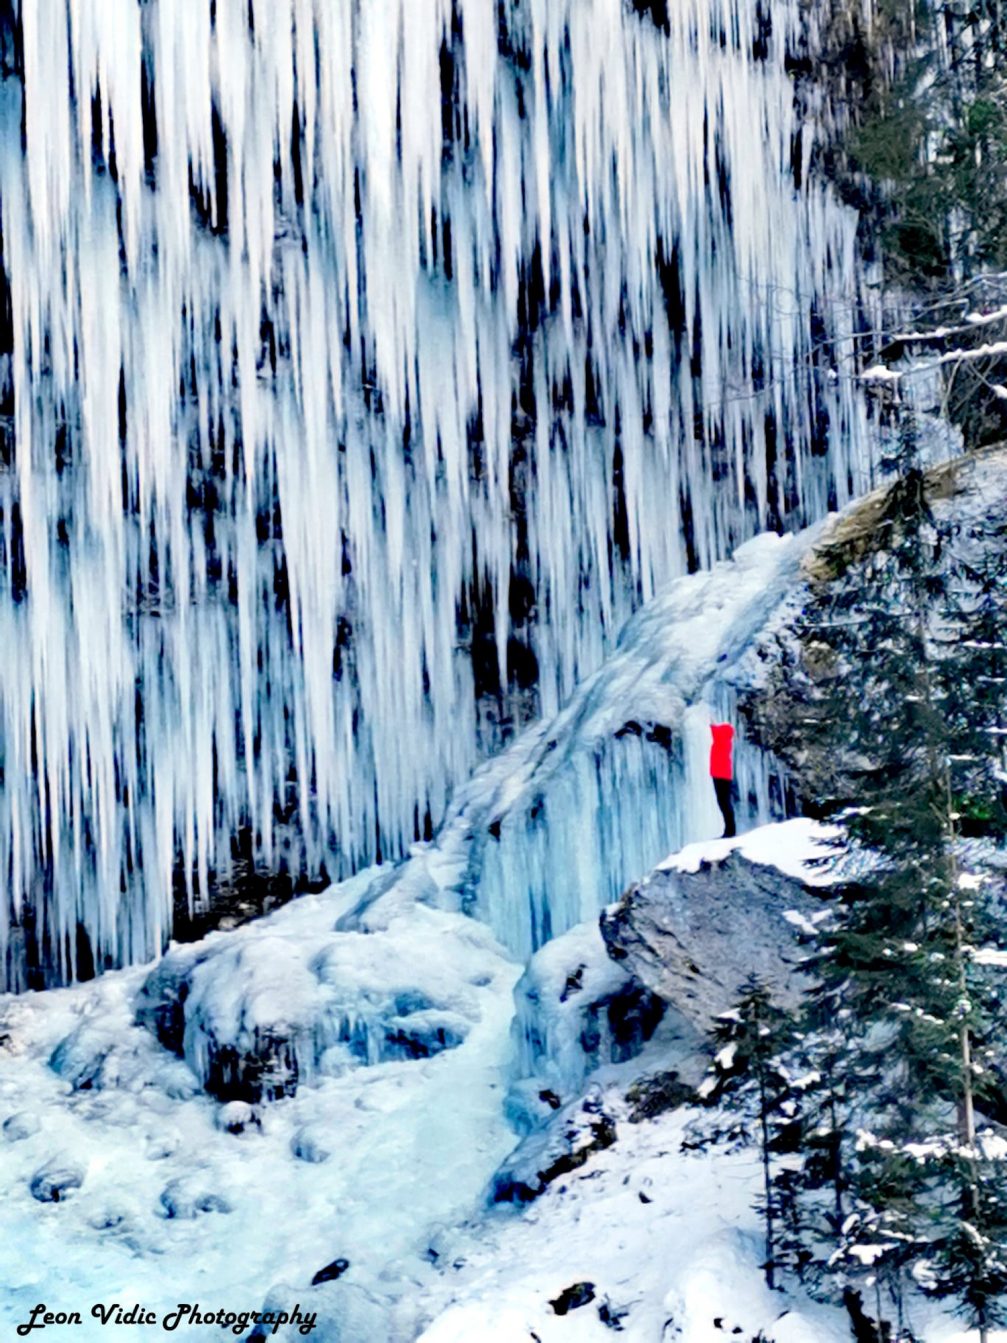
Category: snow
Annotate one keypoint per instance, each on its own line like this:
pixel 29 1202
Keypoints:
pixel 581 807
pixel 927 366
pixel 724 1059
pixel 808 926
pixel 573 969
pixel 385 1161
pixel 798 847
pixel 868 1254
pixel 990 956
pixel 378 1154
pixel 370 1158
pixel 880 373
pixel 690 1254
pixel 267 441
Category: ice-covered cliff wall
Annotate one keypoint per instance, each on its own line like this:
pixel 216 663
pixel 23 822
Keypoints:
pixel 367 363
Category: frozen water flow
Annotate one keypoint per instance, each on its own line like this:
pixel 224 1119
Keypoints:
pixel 370 362
pixel 593 799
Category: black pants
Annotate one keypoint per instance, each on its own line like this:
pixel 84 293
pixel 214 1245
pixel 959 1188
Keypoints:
pixel 724 789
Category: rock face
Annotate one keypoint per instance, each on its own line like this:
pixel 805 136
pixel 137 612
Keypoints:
pixel 781 680
pixel 693 937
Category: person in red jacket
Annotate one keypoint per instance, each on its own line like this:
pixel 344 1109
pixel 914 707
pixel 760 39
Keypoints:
pixel 722 772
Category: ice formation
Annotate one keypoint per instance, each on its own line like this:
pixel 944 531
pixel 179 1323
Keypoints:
pixel 584 803
pixel 367 364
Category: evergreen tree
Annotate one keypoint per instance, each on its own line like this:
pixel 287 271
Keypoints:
pixel 750 1085
pixel 974 676
pixel 879 1173
pixel 908 706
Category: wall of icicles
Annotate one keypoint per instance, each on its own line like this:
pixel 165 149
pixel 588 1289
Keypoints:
pixel 364 365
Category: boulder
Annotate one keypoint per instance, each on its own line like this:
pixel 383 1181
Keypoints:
pixel 101 1054
pixel 161 1003
pixel 259 1012
pixel 783 679
pixel 573 1297
pixel 330 1272
pixel 694 936
pixel 237 1117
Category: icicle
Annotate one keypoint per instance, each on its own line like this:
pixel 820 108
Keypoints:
pixel 332 322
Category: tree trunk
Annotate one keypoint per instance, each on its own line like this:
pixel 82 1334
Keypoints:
pixel 966 1110
pixel 767 1186
pixel 865 1330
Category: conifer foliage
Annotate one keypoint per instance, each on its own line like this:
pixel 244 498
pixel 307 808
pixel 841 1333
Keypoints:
pixel 898 1184
pixel 750 1079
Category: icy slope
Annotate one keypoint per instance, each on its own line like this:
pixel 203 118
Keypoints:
pixel 597 797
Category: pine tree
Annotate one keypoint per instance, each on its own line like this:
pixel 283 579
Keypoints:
pixel 913 705
pixel 973 670
pixel 750 1084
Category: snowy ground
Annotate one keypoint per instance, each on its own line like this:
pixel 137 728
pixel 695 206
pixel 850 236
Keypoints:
pixel 667 1238
pixel 799 847
pixel 403 1150
pixel 411 1145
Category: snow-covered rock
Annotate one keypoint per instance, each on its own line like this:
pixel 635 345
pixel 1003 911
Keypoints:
pixel 563 1145
pixel 238 1117
pixel 311 1146
pixel 712 915
pixel 258 1012
pixel 23 1124
pixel 576 1009
pixel 192 1195
pixel 57 1180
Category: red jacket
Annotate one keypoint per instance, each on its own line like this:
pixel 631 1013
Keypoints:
pixel 720 751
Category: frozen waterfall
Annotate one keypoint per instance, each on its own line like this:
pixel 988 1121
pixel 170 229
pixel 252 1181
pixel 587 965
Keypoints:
pixel 365 364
